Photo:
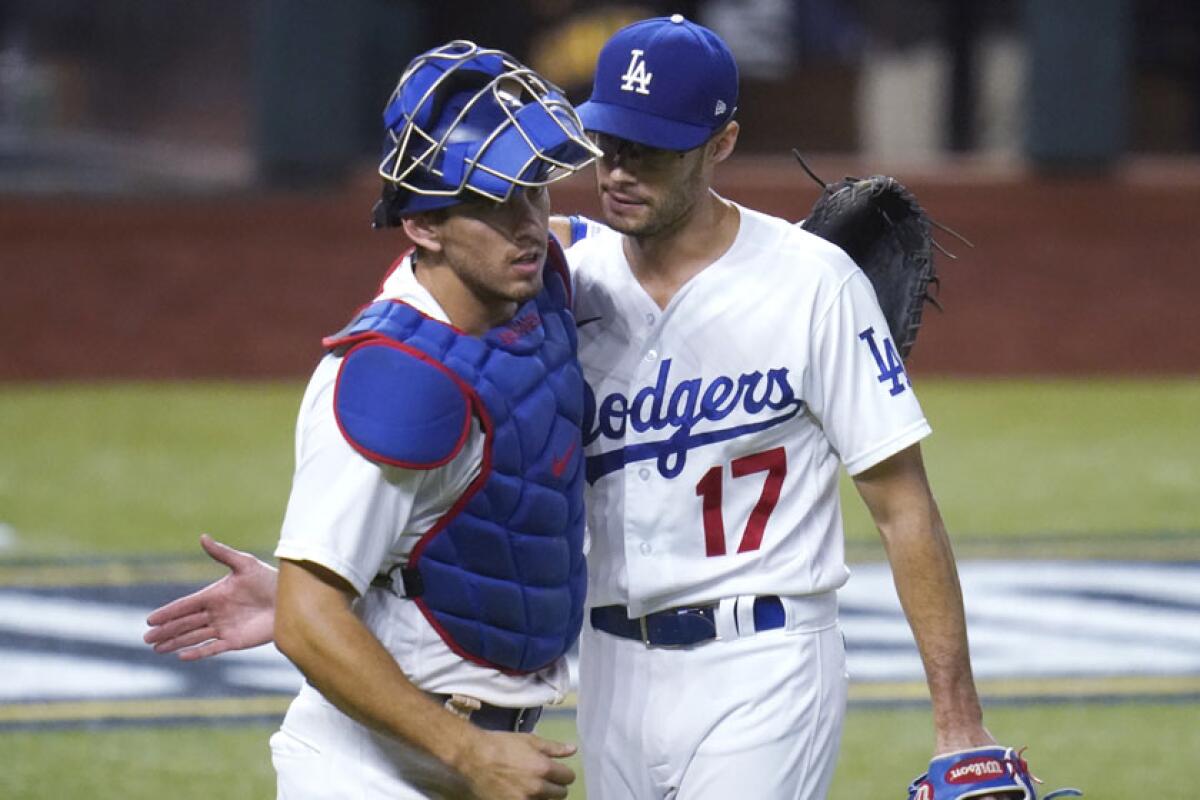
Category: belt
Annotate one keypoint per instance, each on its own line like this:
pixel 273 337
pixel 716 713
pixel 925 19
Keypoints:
pixel 497 718
pixel 683 626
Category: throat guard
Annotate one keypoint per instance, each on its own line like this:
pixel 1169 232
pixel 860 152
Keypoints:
pixel 501 576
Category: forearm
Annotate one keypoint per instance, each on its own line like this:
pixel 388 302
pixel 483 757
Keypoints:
pixel 926 579
pixel 349 666
pixel 898 495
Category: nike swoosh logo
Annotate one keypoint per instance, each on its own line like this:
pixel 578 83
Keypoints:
pixel 559 465
pixel 583 322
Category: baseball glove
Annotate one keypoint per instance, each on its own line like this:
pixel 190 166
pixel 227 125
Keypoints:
pixel 880 225
pixel 980 772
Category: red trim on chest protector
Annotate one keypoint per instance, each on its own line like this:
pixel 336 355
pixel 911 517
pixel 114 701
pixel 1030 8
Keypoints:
pixel 485 471
pixel 330 342
pixel 558 261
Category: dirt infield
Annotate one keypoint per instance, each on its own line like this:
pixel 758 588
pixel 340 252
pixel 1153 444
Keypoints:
pixel 1070 276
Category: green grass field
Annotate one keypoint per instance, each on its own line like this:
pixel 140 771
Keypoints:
pixel 1112 752
pixel 1073 467
pixel 1054 468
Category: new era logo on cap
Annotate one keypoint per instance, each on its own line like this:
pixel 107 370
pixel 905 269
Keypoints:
pixel 664 82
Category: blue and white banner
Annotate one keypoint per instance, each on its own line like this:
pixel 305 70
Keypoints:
pixel 1027 620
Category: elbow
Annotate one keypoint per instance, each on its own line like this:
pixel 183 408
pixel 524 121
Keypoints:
pixel 919 523
pixel 285 640
pixel 308 611
pixel 290 634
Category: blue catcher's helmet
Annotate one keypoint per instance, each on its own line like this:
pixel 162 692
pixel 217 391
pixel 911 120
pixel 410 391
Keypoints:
pixel 465 120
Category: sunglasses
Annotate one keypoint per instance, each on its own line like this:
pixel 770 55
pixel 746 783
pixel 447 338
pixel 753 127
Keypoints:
pixel 615 148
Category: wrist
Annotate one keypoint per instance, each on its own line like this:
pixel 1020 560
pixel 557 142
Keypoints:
pixel 962 737
pixel 458 744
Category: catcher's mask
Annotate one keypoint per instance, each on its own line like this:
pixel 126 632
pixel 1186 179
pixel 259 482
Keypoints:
pixel 468 121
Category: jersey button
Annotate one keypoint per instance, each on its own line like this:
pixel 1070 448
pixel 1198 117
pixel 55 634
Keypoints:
pixel 649 319
pixel 644 474
pixel 651 355
pixel 645 548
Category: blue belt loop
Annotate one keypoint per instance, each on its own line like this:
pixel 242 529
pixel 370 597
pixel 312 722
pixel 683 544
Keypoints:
pixel 769 613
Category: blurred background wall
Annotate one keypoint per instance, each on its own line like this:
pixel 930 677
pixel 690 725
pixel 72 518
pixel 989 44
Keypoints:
pixel 176 176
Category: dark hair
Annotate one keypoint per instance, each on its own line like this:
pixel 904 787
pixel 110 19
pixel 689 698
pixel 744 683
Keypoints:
pixel 386 213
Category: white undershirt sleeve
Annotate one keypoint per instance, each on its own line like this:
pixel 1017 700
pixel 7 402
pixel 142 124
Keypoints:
pixel 345 513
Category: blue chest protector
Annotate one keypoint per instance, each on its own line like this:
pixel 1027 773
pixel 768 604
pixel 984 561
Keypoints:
pixel 501 576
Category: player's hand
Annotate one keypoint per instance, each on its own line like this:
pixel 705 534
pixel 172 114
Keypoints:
pixel 973 736
pixel 516 766
pixel 234 613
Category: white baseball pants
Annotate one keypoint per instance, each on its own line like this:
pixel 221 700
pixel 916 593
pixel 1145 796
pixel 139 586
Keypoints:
pixel 757 716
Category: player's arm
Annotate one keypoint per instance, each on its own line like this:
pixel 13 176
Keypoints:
pixel 317 630
pixel 898 495
pixel 233 613
pixel 570 230
pixel 561 228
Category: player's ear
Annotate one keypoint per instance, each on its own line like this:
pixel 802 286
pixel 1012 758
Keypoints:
pixel 424 229
pixel 720 147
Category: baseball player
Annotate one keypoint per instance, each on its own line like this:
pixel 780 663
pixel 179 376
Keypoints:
pixel 430 572
pixel 733 364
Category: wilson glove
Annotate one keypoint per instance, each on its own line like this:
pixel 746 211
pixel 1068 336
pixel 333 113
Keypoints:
pixel 980 772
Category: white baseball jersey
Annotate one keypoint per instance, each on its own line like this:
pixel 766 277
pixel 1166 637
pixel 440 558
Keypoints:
pixel 716 426
pixel 358 518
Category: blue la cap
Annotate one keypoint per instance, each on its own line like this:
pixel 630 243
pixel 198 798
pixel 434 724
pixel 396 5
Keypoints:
pixel 664 82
